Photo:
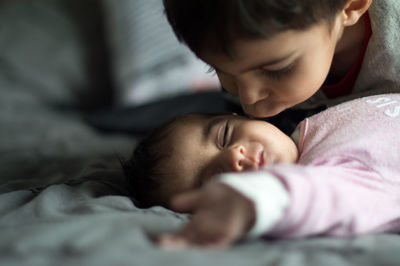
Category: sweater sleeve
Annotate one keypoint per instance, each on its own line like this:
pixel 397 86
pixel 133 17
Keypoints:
pixel 321 200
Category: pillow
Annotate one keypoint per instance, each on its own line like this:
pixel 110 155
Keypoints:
pixel 148 61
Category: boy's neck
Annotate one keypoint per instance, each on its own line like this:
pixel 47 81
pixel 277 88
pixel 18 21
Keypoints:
pixel 347 51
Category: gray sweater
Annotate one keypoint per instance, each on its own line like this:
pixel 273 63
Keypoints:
pixel 381 66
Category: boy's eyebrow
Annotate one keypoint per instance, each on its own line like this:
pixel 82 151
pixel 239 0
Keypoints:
pixel 210 125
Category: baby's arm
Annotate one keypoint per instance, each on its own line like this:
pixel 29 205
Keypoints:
pixel 221 216
pixel 324 200
pixel 345 199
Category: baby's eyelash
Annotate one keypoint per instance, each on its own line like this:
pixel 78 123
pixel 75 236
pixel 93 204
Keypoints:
pixel 225 135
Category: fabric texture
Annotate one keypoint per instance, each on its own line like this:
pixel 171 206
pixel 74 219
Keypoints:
pixel 345 182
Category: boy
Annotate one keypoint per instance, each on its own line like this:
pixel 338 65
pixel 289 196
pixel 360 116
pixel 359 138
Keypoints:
pixel 242 177
pixel 276 54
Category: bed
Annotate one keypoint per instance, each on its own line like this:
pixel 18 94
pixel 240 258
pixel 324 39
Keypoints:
pixel 63 196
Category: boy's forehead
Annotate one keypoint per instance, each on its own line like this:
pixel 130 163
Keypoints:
pixel 246 50
pixel 252 51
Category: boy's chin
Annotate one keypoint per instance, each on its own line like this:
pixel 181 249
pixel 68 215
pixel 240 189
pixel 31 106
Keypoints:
pixel 265 113
pixel 263 109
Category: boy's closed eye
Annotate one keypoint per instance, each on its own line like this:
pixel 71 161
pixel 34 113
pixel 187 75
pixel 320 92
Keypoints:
pixel 278 74
pixel 275 74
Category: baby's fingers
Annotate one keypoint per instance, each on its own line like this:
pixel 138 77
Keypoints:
pixel 171 241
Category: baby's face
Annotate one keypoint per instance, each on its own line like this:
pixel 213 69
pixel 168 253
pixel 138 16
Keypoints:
pixel 205 146
pixel 272 75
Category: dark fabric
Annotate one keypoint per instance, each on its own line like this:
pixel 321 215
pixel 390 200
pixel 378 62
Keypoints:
pixel 142 119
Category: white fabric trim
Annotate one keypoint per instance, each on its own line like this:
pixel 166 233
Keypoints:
pixel 268 194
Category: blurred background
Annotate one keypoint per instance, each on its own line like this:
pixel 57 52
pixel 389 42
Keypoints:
pixel 148 63
pixel 84 78
pixel 77 74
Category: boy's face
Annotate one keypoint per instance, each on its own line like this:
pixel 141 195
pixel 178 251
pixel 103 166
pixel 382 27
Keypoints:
pixel 205 146
pixel 272 75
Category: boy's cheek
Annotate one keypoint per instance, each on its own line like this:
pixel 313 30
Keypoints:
pixel 228 84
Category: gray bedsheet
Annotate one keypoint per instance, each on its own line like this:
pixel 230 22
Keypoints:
pixel 89 221
pixel 63 198
pixel 84 225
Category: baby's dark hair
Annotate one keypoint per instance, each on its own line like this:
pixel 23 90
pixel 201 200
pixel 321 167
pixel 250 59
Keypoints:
pixel 217 23
pixel 145 169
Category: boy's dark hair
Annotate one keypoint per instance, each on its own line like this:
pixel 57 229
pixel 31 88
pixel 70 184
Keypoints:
pixel 144 170
pixel 217 23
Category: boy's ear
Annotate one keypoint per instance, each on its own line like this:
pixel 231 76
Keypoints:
pixel 353 10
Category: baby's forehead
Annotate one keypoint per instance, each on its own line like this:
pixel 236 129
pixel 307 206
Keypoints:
pixel 192 123
pixel 185 141
pixel 200 120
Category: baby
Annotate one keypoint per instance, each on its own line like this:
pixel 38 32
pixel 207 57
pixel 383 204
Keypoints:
pixel 337 175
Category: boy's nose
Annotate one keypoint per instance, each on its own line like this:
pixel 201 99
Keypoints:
pixel 240 159
pixel 251 92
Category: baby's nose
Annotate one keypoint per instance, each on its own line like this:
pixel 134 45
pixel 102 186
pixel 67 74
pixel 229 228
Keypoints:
pixel 241 161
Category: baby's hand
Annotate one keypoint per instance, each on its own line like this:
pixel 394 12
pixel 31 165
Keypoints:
pixel 221 216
